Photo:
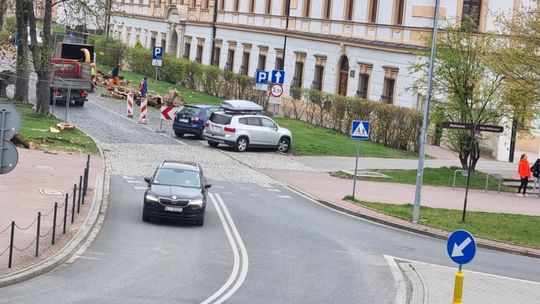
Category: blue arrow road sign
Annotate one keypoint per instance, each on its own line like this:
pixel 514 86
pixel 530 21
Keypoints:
pixel 360 129
pixel 461 247
pixel 261 76
pixel 278 76
pixel 157 53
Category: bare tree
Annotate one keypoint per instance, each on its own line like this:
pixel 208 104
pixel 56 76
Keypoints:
pixel 23 66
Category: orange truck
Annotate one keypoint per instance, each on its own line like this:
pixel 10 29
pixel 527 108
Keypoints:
pixel 71 76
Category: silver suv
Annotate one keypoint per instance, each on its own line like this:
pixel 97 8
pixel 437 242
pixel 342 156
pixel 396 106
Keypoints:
pixel 246 130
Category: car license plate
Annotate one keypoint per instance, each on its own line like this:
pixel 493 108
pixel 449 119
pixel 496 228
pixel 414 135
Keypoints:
pixel 215 128
pixel 183 120
pixel 173 209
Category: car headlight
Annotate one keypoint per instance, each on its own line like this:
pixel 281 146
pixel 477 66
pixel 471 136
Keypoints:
pixel 151 198
pixel 196 202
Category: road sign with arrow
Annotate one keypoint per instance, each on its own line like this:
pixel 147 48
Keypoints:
pixel 461 247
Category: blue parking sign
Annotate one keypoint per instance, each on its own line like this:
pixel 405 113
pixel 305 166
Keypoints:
pixel 261 77
pixel 157 53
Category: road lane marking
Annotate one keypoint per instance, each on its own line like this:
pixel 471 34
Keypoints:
pixel 239 253
pixel 284 196
pixel 273 190
pixel 140 188
pixel 134 181
pixel 128 177
pixel 399 281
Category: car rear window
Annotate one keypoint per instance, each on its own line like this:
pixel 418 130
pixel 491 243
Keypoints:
pixel 189 111
pixel 220 119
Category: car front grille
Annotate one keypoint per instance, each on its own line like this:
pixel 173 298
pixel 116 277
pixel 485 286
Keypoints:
pixel 171 202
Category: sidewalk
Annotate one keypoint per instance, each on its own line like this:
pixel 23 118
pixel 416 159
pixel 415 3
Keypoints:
pixel 39 180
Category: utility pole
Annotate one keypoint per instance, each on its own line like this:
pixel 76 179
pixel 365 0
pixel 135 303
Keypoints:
pixel 425 121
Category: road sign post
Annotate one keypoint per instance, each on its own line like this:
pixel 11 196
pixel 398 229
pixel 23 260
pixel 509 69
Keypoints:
pixel 359 131
pixel 10 122
pixel 475 130
pixel 461 248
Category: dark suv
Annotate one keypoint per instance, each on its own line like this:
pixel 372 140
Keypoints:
pixel 190 119
pixel 177 190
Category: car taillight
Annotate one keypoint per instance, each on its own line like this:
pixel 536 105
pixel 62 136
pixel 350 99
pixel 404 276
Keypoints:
pixel 58 93
pixel 207 124
pixel 83 94
pixel 229 129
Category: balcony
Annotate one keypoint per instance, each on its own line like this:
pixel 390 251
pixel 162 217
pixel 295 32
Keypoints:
pixel 243 70
pixel 316 85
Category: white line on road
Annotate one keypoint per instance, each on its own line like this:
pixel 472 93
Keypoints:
pixel 237 274
pixel 399 280
pixel 273 190
pixel 140 188
pixel 134 182
pixel 284 196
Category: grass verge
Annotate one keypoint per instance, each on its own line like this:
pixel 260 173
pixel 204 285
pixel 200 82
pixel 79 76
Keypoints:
pixel 433 177
pixel 311 140
pixel 35 129
pixel 509 228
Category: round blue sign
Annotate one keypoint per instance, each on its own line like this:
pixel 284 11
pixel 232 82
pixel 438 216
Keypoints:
pixel 461 247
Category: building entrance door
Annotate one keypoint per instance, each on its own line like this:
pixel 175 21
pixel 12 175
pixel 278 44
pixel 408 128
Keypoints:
pixel 343 76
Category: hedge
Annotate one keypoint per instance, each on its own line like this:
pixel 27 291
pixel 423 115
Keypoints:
pixel 393 126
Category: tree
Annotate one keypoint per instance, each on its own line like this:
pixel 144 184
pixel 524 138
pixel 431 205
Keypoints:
pixel 23 66
pixel 469 88
pixel 4 5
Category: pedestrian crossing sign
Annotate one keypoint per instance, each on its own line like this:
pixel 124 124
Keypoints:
pixel 360 130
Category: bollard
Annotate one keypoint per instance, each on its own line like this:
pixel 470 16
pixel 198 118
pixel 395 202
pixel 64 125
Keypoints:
pixel 73 204
pixel 65 214
pixel 11 243
pixel 79 199
pixel 144 108
pixel 83 187
pixel 130 105
pixel 37 234
pixel 458 288
pixel 54 221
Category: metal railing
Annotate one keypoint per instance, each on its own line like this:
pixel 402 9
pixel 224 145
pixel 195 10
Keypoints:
pixel 497 177
pixel 464 173
pixel 59 217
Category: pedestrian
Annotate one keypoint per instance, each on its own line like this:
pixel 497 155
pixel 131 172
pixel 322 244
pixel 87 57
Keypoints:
pixel 535 169
pixel 524 170
pixel 143 87
pixel 115 76
pixel 93 77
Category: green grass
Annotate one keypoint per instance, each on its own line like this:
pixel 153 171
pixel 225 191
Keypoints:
pixel 35 129
pixel 509 228
pixel 312 140
pixel 162 87
pixel 434 177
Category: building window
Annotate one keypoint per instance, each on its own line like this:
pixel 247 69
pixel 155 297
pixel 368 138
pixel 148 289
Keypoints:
pixel 268 7
pixel 388 91
pixel 363 85
pixel 217 54
pixel 187 49
pixel 349 10
pixel 230 60
pixel 399 10
pixel 198 58
pixel 222 5
pixel 307 8
pixel 279 63
pixel 298 74
pixel 204 4
pixel 471 11
pixel 152 42
pixel 192 3
pixel 327 9
pixel 245 63
pixel 373 7
pixel 318 78
pixel 236 5
pixel 261 65
pixel 251 6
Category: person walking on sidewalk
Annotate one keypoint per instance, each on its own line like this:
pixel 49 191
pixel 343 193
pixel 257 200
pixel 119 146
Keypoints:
pixel 143 87
pixel 524 170
pixel 535 169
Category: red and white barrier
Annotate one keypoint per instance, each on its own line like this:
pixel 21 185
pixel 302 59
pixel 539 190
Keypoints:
pixel 143 117
pixel 130 105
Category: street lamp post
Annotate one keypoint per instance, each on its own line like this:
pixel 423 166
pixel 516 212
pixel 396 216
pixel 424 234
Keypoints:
pixel 425 123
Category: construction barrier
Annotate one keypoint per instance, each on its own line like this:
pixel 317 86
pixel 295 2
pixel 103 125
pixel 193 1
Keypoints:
pixel 144 109
pixel 130 105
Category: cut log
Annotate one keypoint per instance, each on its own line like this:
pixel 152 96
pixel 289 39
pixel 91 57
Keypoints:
pixel 18 140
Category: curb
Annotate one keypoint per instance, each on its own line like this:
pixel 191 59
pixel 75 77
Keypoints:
pixel 75 243
pixel 438 233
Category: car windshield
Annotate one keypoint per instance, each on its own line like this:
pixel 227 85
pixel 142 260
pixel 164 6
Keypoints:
pixel 189 111
pixel 177 177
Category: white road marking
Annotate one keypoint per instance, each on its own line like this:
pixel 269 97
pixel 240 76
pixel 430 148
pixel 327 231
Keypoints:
pixel 219 187
pixel 273 190
pixel 240 269
pixel 284 196
pixel 134 182
pixel 140 188
pixel 399 281
pixel 128 177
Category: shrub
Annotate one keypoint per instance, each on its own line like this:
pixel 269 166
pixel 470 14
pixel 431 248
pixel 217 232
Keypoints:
pixel 109 50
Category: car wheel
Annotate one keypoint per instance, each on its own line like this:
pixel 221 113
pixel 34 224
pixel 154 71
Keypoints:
pixel 145 217
pixel 241 144
pixel 213 144
pixel 284 145
pixel 179 134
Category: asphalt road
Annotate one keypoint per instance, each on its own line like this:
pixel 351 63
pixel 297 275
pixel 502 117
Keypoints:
pixel 261 243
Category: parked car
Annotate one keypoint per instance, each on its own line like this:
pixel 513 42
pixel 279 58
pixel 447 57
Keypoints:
pixel 178 191
pixel 190 119
pixel 243 131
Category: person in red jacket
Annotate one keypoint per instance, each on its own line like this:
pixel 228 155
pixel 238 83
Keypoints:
pixel 524 170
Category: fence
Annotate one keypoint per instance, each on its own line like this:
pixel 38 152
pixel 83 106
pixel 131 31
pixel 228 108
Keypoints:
pixel 46 225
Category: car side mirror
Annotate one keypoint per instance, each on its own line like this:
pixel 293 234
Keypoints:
pixel 148 180
pixel 207 186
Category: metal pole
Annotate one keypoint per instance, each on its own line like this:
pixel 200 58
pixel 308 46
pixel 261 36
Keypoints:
pixel 468 177
pixel 355 168
pixel 423 134
pixel 80 192
pixel 156 71
pixel 37 233
pixel 54 221
pixel 65 214
pixel 68 102
pixel 11 240
pixel 2 130
pixel 73 204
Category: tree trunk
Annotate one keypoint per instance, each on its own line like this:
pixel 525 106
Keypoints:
pixel 466 153
pixel 3 9
pixel 23 67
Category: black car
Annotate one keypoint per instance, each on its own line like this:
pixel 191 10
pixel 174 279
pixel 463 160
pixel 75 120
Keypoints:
pixel 190 119
pixel 177 190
